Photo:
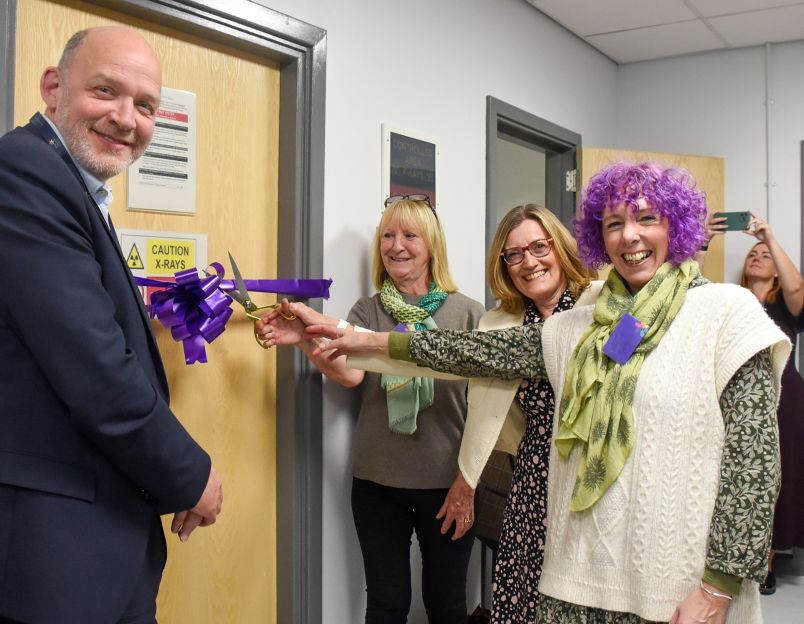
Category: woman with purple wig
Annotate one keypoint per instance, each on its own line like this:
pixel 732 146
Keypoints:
pixel 665 466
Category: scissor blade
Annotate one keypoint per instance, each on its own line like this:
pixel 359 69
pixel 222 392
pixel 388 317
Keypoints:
pixel 241 292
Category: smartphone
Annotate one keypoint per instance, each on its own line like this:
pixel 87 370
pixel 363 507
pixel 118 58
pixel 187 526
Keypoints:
pixel 735 221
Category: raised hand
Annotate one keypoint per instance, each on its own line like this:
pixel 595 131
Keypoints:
pixel 344 342
pixel 274 329
pixel 715 226
pixel 307 315
pixel 759 229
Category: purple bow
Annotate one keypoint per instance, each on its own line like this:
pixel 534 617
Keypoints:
pixel 195 308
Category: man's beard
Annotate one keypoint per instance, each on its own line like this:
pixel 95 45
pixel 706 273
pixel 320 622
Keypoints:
pixel 102 165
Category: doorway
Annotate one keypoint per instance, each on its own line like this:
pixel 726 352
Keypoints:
pixel 528 160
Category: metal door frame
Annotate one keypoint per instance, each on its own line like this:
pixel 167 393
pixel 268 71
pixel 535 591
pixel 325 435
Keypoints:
pixel 561 147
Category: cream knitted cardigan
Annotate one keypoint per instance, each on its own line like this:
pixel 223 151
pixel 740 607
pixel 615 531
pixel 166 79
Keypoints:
pixel 642 547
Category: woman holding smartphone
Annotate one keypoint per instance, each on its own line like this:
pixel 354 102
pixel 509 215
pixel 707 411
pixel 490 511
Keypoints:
pixel 770 274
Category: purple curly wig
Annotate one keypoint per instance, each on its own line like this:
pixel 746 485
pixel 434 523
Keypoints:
pixel 671 192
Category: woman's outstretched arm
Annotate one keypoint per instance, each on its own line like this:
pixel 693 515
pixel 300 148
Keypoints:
pixel 506 353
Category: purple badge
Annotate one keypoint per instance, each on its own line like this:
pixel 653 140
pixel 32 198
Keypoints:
pixel 624 339
pixel 401 327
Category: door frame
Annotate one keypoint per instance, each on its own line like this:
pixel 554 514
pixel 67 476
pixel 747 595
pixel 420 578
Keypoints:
pixel 561 149
pixel 300 50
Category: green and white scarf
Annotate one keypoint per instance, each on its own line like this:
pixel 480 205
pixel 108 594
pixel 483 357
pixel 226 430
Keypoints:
pixel 596 404
pixel 406 396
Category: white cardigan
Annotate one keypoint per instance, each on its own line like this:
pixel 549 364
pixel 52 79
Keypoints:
pixel 494 419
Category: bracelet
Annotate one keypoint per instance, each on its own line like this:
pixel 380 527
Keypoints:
pixel 342 324
pixel 706 590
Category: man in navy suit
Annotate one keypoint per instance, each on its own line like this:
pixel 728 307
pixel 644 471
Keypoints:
pixel 90 453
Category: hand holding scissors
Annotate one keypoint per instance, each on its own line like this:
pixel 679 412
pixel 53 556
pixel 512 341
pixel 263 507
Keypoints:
pixel 253 311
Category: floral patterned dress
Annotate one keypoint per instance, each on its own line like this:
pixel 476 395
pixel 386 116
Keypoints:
pixel 521 550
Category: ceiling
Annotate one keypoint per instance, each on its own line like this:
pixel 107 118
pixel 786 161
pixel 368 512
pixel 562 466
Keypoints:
pixel 627 31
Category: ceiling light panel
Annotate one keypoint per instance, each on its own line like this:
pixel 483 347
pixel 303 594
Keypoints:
pixel 603 16
pixel 643 44
pixel 758 27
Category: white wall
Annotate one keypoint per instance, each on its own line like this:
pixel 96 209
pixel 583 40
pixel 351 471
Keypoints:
pixel 426 66
pixel 787 132
pixel 714 105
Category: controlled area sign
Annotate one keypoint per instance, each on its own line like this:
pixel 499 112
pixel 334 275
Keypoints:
pixel 160 255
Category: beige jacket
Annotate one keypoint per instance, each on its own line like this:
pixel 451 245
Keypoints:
pixel 494 419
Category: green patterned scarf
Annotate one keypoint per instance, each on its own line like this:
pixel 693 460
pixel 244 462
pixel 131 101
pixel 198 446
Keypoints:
pixel 406 396
pixel 596 404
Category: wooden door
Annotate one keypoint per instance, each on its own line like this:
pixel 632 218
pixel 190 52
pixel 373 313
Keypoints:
pixel 225 573
pixel 707 171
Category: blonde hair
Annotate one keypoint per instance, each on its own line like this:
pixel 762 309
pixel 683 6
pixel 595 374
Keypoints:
pixel 563 245
pixel 774 291
pixel 418 216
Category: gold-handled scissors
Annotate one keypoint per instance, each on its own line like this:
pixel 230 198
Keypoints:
pixel 240 294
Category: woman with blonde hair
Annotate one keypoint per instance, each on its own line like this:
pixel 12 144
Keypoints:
pixel 533 271
pixel 408 428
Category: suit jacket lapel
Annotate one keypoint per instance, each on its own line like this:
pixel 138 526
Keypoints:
pixel 38 125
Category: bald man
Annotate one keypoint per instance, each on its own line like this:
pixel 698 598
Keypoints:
pixel 90 453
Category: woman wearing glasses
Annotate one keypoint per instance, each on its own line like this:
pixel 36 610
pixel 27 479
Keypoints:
pixel 533 271
pixel 408 429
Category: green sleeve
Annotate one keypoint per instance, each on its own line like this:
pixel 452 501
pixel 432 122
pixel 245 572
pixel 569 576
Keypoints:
pixel 399 346
pixel 510 353
pixel 742 520
pixel 725 582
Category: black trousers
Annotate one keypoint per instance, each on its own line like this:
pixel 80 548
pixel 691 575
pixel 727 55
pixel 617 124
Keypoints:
pixel 385 519
pixel 141 608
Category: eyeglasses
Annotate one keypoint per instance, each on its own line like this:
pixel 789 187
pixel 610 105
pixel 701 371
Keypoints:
pixel 538 249
pixel 416 197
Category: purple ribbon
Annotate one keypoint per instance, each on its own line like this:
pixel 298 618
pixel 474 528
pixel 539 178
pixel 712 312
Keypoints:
pixel 302 288
pixel 196 308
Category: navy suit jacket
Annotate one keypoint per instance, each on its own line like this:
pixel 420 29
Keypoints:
pixel 89 449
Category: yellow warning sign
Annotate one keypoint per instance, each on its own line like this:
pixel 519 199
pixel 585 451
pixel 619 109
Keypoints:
pixel 165 256
pixel 134 259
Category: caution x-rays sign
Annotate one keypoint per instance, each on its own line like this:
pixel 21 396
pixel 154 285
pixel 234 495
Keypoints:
pixel 161 254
